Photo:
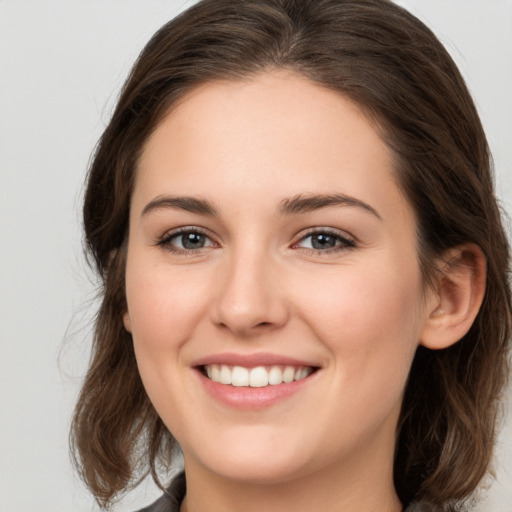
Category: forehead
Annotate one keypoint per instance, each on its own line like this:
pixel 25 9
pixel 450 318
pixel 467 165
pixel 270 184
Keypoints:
pixel 275 132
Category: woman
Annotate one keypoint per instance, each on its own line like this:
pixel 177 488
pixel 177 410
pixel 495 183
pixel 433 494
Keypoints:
pixel 304 267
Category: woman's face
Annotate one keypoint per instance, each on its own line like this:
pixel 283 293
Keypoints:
pixel 269 241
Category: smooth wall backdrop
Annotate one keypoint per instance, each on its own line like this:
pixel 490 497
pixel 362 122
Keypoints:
pixel 62 64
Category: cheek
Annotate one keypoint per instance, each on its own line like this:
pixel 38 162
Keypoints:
pixel 362 300
pixel 369 319
pixel 164 306
pixel 164 310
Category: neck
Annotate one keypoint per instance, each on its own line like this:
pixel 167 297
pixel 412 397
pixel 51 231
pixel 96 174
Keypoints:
pixel 366 485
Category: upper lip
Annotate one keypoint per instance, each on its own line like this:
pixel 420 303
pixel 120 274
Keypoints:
pixel 252 360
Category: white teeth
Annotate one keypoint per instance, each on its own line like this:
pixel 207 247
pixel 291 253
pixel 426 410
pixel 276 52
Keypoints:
pixel 289 374
pixel 301 373
pixel 240 376
pixel 275 376
pixel 225 375
pixel 257 377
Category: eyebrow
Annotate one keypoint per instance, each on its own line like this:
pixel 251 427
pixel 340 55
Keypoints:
pixel 189 204
pixel 309 203
pixel 289 206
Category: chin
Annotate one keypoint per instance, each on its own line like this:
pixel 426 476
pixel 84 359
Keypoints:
pixel 256 463
pixel 260 472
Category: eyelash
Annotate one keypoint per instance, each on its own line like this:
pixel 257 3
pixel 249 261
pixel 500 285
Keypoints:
pixel 344 243
pixel 165 241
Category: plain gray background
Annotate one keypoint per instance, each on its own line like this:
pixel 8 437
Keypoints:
pixel 61 66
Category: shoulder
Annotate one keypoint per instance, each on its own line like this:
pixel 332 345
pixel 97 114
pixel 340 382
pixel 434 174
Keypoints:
pixel 171 500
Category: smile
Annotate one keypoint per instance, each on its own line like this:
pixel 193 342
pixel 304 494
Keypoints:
pixel 255 381
pixel 256 377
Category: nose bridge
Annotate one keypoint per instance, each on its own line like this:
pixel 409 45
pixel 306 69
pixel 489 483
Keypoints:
pixel 249 296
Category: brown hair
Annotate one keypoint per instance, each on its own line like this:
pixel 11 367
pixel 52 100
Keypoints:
pixel 392 66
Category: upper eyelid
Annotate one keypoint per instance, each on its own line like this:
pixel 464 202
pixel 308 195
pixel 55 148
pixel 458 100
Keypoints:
pixel 185 229
pixel 330 231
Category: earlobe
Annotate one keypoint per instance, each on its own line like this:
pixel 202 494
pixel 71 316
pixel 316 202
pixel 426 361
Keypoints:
pixel 458 293
pixel 127 322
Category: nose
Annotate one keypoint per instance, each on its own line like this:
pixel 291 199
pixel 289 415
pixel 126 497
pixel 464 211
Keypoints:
pixel 250 299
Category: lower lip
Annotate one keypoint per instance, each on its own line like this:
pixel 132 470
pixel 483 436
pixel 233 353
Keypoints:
pixel 253 398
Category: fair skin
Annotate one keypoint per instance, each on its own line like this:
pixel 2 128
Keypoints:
pixel 262 276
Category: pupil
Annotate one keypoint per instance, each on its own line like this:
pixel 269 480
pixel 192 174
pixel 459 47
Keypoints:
pixel 323 241
pixel 192 240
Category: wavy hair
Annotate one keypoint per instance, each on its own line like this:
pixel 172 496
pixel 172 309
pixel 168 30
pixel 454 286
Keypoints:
pixel 390 64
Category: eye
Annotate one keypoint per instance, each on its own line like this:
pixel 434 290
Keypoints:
pixel 186 240
pixel 325 241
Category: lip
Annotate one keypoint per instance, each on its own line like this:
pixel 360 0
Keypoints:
pixel 252 398
pixel 253 360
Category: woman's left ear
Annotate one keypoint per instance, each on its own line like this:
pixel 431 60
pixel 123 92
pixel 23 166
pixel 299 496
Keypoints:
pixel 455 299
pixel 127 322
